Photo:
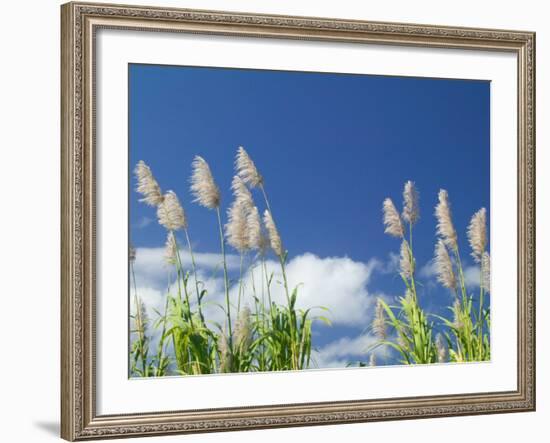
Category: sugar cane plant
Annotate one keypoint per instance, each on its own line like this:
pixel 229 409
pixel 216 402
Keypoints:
pixel 267 337
pixel 465 336
pixel 259 333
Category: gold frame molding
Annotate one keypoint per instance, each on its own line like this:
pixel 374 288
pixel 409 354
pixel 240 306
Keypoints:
pixel 79 22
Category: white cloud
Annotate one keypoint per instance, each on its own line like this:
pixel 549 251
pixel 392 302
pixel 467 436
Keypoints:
pixel 336 283
pixel 391 266
pixel 151 269
pixel 152 299
pixel 143 222
pixel 342 351
pixel 429 270
pixel 472 277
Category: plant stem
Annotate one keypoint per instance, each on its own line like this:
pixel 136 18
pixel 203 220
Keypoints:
pixel 267 283
pixel 226 281
pixel 460 273
pixel 240 284
pixel 281 260
pixel 194 266
pixel 480 318
pixel 262 310
pixel 266 199
pixel 161 341
pixel 180 265
pixel 290 311
pixel 411 236
pixel 263 290
pixel 140 328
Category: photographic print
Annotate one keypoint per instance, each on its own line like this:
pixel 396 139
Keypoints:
pixel 287 220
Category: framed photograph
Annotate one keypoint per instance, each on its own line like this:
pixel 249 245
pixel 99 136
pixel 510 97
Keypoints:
pixel 277 221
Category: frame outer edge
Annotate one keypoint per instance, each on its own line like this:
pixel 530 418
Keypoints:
pixel 78 420
pixel 68 425
pixel 533 134
pixel 531 146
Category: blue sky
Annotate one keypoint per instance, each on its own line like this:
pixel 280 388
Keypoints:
pixel 331 147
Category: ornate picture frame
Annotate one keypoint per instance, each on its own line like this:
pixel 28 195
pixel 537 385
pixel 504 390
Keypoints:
pixel 80 23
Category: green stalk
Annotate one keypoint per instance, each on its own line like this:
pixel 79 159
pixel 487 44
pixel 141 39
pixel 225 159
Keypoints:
pixel 263 289
pixel 460 273
pixel 265 198
pixel 269 319
pixel 180 266
pixel 141 331
pixel 466 305
pixel 292 326
pixel 194 267
pixel 480 319
pixel 263 259
pixel 290 311
pixel 411 237
pixel 281 261
pixel 411 259
pixel 240 283
pixel 267 283
pixel 262 349
pixel 226 280
pixel 416 315
pixel 161 341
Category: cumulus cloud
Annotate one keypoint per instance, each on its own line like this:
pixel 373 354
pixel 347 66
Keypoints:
pixel 429 270
pixel 390 266
pixel 342 351
pixel 143 222
pixel 336 283
pixel 152 271
pixel 472 275
pixel 339 284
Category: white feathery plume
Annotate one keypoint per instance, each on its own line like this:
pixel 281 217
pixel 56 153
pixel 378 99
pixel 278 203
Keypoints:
pixel 486 272
pixel 444 266
pixel 141 319
pixel 263 245
pixel 132 254
pixel 402 341
pixel 170 212
pixel 236 229
pixel 445 226
pixel 246 169
pixel 392 220
pixel 203 186
pixel 379 327
pixel 170 249
pixel 243 330
pixel 406 261
pixel 147 185
pixel 372 360
pixel 241 192
pixel 457 307
pixel 226 357
pixel 254 229
pixel 477 234
pixel 442 354
pixel 274 237
pixel 408 296
pixel 411 210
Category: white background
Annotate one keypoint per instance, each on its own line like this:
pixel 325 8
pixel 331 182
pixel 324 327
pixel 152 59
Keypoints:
pixel 29 242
